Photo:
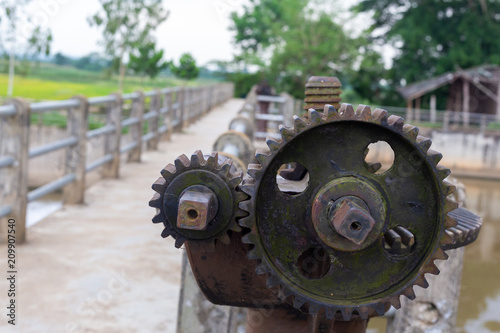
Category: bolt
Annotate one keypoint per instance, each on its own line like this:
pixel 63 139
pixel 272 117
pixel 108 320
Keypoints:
pixel 198 206
pixel 321 90
pixel 351 219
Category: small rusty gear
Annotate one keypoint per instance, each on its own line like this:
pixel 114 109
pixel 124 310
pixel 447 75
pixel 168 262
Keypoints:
pixel 215 173
pixel 349 280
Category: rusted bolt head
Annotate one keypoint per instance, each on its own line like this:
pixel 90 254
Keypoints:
pixel 350 217
pixel 198 206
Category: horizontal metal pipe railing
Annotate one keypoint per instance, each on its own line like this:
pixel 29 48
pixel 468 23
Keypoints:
pixel 130 121
pixel 54 105
pixel 6 162
pixel 148 136
pixel 150 114
pixel 5 210
pixel 100 131
pixel 99 162
pixel 7 110
pixel 271 117
pixel 128 147
pixel 50 147
pixel 101 99
pixel 50 187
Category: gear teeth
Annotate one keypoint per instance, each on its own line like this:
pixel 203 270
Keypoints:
pixel 225 239
pixel 330 112
pixel 287 292
pixel 446 239
pixel 346 111
pixel 432 268
pixel 182 163
pixel 286 133
pixel 346 314
pixel 272 281
pixel 226 168
pixel 159 217
pixel 248 239
pixel 253 255
pixel 167 232
pixel 450 222
pixel 179 241
pixel 314 117
pixel 254 170
pixel 421 282
pixel 379 308
pixel 197 159
pixel 261 269
pixel 314 308
pixel 155 201
pixel 160 185
pixel 262 156
pixel 330 312
pixel 298 123
pixel 424 143
pixel 364 112
pixel 411 132
pixel 440 254
pixel 395 301
pixel 246 222
pixel 235 181
pixel 409 293
pixel 298 302
pixel 396 122
pixel 449 206
pixel 213 161
pixel 235 227
pixel 448 188
pixel 380 115
pixel 168 172
pixel 442 172
pixel 434 156
pixel 272 144
pixel 363 312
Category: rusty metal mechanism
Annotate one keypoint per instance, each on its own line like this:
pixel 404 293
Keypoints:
pixel 321 235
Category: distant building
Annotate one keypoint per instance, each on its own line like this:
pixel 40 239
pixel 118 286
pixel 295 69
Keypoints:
pixel 475 90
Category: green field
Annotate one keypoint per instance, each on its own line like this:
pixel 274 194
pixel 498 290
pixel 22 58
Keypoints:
pixel 51 82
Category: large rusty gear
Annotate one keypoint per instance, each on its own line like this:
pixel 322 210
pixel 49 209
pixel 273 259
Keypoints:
pixel 215 173
pixel 332 145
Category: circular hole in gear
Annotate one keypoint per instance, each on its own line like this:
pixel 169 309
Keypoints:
pixel 380 157
pixel 192 214
pixel 314 263
pixel 292 178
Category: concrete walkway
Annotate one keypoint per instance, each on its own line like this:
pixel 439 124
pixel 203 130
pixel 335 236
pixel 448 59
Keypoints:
pixel 103 266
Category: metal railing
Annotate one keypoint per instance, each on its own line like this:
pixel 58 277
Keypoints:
pixel 143 117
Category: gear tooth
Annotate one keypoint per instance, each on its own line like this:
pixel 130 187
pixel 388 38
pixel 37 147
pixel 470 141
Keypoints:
pixel 440 254
pixel 396 122
pixel 395 301
pixel 234 181
pixel 298 301
pixel 363 312
pixel 159 217
pixel 298 123
pixel 168 172
pixel 442 172
pixel 380 308
pixel 346 314
pixel 261 156
pixel 234 226
pixel 380 115
pixel 314 308
pixel 421 282
pixel 197 158
pixel 447 239
pixel 286 133
pixel 182 163
pixel 287 292
pixel 314 117
pixel 245 205
pixel 261 269
pixel 272 144
pixel 272 281
pixel 346 111
pixel 364 112
pixel 209 246
pixel 373 167
pixel 224 238
pixel 450 222
pixel 155 201
pixel 167 231
pixel 409 293
pixel 449 206
pixel 424 143
pixel 253 255
pixel 246 222
pixel 448 188
pixel 213 161
pixel 411 132
pixel 431 268
pixel 248 239
pixel 330 312
pixel 179 241
pixel 434 156
pixel 330 112
pixel 226 168
pixel 160 185
pixel 248 189
pixel 254 171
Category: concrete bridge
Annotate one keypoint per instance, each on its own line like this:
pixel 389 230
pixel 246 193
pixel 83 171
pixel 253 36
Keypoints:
pixel 102 266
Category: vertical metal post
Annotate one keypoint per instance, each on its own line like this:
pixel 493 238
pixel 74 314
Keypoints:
pixel 76 156
pixel 409 110
pixel 14 185
pixel 136 130
pixel 466 103
pixel 154 122
pixel 446 121
pixel 112 140
pixel 417 110
pixel 433 109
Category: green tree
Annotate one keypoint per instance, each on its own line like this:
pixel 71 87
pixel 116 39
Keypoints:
pixel 433 37
pixel 149 61
pixel 187 68
pixel 292 41
pixel 61 60
pixel 127 25
pixel 22 37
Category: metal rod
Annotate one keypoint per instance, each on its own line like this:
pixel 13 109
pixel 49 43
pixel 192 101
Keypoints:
pixel 6 162
pixel 265 134
pixel 271 117
pixel 130 96
pixel 150 114
pixel 101 99
pixel 147 137
pixel 163 129
pixel 5 210
pixel 50 187
pixel 130 121
pixel 128 147
pixel 266 98
pixel 50 147
pixel 7 110
pixel 97 163
pixel 100 131
pixel 54 105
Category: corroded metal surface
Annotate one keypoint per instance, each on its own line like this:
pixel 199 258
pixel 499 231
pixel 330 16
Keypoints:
pixel 321 90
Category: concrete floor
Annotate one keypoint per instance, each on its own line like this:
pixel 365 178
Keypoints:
pixel 103 266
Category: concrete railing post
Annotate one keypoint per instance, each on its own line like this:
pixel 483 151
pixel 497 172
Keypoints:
pixel 136 129
pixel 446 121
pixel 112 140
pixel 182 106
pixel 154 122
pixel 168 117
pixel 14 183
pixel 76 156
pixel 433 109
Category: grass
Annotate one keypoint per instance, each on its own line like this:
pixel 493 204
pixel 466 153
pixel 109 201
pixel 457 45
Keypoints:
pixel 51 82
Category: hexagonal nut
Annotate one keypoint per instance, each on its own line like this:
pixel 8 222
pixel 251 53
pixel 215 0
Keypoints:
pixel 352 221
pixel 197 207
